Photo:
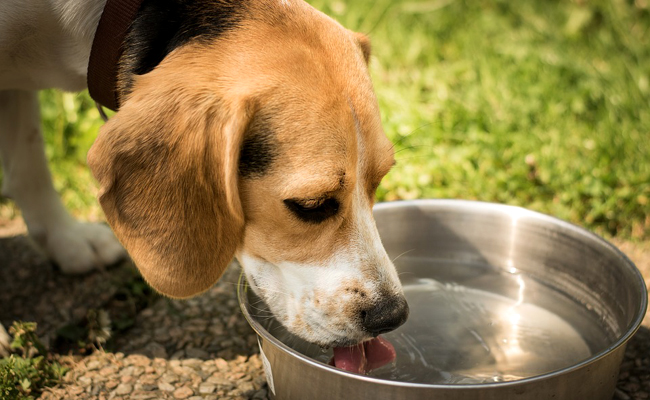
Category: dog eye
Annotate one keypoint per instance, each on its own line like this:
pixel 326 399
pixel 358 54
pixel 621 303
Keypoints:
pixel 313 211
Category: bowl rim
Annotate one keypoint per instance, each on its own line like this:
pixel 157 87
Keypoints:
pixel 242 287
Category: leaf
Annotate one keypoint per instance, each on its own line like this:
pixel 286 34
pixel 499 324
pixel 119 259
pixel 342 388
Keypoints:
pixel 25 384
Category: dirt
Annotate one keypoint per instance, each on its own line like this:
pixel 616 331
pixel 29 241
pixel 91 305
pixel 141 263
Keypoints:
pixel 166 349
pixel 159 348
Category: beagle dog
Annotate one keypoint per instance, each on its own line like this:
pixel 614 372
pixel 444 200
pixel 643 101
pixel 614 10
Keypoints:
pixel 246 128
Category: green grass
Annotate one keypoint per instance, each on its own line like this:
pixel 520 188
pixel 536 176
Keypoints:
pixel 543 104
pixel 24 376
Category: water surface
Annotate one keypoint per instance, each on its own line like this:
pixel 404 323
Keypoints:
pixel 477 324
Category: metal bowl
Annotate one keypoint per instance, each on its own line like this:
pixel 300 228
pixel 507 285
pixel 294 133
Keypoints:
pixel 505 303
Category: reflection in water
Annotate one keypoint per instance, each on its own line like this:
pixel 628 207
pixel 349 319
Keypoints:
pixel 464 335
pixel 459 334
pixel 511 347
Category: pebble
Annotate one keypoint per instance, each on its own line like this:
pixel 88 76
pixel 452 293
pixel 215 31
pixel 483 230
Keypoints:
pixel 169 377
pixel 167 387
pixel 143 371
pixel 144 396
pixel 111 384
pixel 92 365
pixel 123 388
pixel 220 381
pixel 183 393
pixel 197 353
pixel 634 375
pixel 210 361
pixel 85 381
pixel 192 362
pixel 207 388
pixel 108 371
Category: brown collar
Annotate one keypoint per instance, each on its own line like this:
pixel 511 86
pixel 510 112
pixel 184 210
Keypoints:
pixel 105 54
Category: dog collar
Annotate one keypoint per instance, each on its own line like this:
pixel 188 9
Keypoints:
pixel 114 24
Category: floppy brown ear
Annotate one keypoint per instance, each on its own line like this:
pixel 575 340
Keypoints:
pixel 364 44
pixel 167 168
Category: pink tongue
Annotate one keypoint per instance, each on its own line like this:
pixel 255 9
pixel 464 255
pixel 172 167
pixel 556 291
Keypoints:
pixel 364 357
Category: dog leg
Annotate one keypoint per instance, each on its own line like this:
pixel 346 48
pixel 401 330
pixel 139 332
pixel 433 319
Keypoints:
pixel 5 342
pixel 76 247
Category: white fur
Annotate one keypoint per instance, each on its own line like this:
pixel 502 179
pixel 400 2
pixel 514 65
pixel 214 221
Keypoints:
pixel 45 44
pixel 313 299
pixel 4 342
pixel 289 288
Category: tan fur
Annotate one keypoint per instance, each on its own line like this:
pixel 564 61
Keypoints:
pixel 364 43
pixel 167 161
pixel 318 143
pixel 167 166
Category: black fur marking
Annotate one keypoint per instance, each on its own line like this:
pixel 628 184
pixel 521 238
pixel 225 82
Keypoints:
pixel 313 214
pixel 259 149
pixel 163 25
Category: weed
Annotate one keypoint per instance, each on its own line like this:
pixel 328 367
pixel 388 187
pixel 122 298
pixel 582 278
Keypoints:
pixel 25 375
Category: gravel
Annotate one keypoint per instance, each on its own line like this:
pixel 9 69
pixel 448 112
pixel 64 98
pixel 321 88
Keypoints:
pixel 634 375
pixel 201 348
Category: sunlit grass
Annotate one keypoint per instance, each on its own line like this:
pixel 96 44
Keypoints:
pixel 543 104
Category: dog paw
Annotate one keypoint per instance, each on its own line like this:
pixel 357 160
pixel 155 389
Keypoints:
pixel 82 247
pixel 5 342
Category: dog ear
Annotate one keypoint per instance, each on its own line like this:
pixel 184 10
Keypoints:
pixel 166 163
pixel 364 44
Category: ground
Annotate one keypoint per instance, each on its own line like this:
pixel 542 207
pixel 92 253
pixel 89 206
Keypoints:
pixel 167 349
pixel 161 348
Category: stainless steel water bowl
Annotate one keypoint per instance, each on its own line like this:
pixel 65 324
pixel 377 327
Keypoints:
pixel 505 303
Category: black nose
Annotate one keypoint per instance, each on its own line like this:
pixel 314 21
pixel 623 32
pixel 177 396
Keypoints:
pixel 385 316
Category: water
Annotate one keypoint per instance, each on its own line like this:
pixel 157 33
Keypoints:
pixel 476 324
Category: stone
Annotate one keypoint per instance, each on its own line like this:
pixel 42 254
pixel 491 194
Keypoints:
pixel 76 390
pixel 155 350
pixel 206 388
pixel 183 393
pixel 143 395
pixel 169 377
pixel 246 387
pixel 221 364
pixel 92 365
pixel 111 384
pixel 139 360
pixel 84 381
pixel 123 388
pixel 167 387
pixel 220 381
pixel 193 363
pixel 197 353
pixel 184 371
pixel 108 370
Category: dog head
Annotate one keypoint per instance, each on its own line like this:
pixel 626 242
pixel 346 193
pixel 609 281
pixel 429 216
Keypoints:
pixel 265 144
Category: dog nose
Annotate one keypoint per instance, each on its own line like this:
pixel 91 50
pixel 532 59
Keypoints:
pixel 385 316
